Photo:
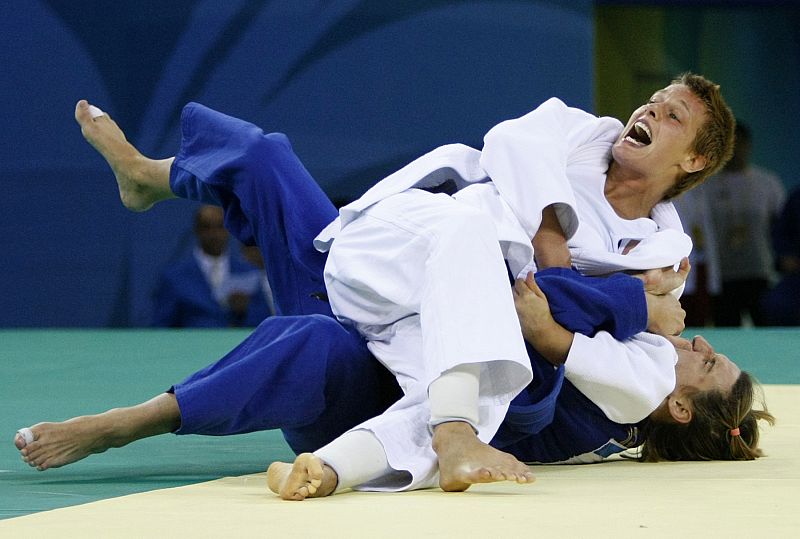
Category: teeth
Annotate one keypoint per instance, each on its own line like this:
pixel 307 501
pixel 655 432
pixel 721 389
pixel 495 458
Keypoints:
pixel 641 127
pixel 633 141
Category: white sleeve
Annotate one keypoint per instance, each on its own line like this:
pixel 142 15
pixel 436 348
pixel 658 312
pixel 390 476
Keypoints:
pixel 527 159
pixel 627 379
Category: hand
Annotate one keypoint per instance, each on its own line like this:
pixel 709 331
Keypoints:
pixel 539 328
pixel 664 314
pixel 533 310
pixel 664 280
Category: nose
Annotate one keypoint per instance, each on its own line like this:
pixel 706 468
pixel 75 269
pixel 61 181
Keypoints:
pixel 699 344
pixel 654 110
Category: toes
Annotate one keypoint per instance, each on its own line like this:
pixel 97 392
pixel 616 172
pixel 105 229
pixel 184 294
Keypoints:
pixel 527 478
pixel 82 114
pixel 95 112
pixel 24 437
pixel 88 115
pixel 488 474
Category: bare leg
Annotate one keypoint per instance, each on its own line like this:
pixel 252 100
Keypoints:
pixel 59 444
pixel 465 460
pixel 306 477
pixel 142 181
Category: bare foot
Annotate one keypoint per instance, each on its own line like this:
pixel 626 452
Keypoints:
pixel 306 477
pixel 142 181
pixel 58 444
pixel 465 460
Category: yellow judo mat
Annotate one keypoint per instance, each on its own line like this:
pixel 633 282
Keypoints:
pixel 620 498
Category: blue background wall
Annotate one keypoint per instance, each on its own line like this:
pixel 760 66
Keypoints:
pixel 360 86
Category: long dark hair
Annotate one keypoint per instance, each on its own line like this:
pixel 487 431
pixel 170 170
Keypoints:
pixel 712 433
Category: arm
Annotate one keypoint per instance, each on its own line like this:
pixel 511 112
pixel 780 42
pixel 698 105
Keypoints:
pixel 616 304
pixel 626 379
pixel 548 337
pixel 549 243
pixel 527 159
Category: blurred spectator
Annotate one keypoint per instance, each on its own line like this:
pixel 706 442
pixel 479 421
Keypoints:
pixel 745 201
pixel 703 284
pixel 782 304
pixel 211 287
pixel 252 254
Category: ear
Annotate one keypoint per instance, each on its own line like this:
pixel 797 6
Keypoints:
pixel 693 163
pixel 679 408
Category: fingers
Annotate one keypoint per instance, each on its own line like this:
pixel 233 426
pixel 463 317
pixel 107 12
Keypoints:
pixel 520 287
pixel 528 285
pixel 534 286
pixel 531 282
pixel 679 342
pixel 684 268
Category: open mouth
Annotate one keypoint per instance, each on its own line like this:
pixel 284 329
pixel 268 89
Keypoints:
pixel 639 134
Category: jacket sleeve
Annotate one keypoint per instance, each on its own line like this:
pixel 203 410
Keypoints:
pixel 615 304
pixel 527 158
pixel 627 379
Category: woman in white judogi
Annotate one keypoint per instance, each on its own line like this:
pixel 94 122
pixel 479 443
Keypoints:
pixel 422 278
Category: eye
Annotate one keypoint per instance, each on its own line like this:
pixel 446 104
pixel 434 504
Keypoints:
pixel 674 116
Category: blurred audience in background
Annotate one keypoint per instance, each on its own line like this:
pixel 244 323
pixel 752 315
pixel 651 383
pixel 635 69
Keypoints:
pixel 744 202
pixel 703 284
pixel 781 305
pixel 214 286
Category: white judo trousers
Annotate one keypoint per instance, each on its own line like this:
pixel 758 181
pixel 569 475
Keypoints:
pixel 423 278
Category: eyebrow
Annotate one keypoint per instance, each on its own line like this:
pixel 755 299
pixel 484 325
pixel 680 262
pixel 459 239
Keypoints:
pixel 681 101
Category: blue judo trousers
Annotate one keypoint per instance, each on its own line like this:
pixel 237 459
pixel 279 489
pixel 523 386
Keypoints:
pixel 313 377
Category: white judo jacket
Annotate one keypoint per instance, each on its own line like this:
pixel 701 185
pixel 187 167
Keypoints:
pixel 554 155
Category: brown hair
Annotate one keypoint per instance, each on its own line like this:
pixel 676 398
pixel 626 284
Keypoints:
pixel 708 435
pixel 714 139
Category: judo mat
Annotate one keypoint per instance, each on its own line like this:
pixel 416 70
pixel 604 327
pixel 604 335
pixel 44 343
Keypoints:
pixel 212 487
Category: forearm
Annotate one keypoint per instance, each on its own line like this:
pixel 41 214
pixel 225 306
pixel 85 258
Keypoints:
pixel 551 340
pixel 550 243
pixel 628 379
pixel 587 304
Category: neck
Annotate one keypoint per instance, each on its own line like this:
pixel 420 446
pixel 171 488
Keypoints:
pixel 632 195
